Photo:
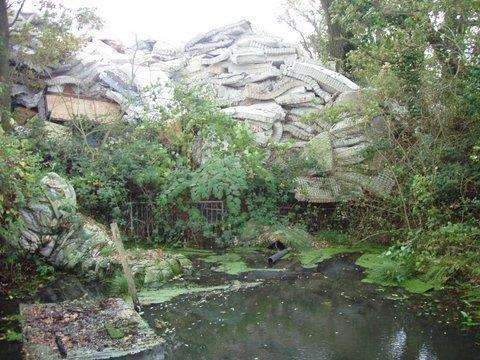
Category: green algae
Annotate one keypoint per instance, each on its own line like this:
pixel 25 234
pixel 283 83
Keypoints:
pixel 233 267
pixel 222 258
pixel 229 263
pixel 193 252
pixel 310 258
pixel 171 292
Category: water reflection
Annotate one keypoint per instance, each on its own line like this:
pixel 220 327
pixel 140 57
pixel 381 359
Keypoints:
pixel 332 317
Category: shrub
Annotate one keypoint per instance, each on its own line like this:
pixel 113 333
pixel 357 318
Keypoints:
pixel 151 176
pixel 19 178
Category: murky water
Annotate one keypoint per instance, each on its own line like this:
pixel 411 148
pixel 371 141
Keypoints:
pixel 324 315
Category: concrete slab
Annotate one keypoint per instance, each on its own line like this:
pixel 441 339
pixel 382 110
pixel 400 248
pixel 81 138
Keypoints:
pixel 106 329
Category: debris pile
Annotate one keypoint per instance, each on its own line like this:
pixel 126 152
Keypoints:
pixel 280 93
pixel 108 329
pixel 257 79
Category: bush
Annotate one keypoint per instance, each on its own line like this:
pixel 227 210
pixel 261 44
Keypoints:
pixel 19 182
pixel 151 176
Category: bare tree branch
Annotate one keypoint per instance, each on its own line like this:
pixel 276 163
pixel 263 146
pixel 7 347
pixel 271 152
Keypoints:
pixel 18 13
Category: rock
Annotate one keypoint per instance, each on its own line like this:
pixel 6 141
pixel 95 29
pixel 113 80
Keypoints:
pixel 155 268
pixel 25 97
pixel 22 115
pixel 320 150
pixel 55 231
pixel 264 113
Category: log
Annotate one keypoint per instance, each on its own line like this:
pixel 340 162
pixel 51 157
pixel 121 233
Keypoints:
pixel 126 268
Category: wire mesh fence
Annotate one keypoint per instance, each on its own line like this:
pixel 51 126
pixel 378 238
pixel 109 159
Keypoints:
pixel 212 210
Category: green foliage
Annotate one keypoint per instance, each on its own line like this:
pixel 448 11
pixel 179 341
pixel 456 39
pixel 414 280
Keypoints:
pixel 19 183
pixel 119 285
pixel 50 38
pixel 220 178
pixel 432 259
pixel 420 58
pixel 151 176
pixel 45 271
pixel 13 336
pixel 310 258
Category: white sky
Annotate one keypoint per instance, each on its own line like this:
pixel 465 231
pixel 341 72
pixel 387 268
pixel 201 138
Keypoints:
pixel 177 21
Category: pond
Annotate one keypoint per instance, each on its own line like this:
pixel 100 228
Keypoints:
pixel 325 313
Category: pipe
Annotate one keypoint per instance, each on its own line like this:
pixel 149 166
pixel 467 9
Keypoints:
pixel 276 257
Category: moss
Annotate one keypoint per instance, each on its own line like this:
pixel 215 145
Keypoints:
pixel 332 237
pixel 114 332
pixel 319 149
pixel 251 230
pixel 294 237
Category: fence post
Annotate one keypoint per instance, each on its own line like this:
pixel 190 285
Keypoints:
pixel 126 268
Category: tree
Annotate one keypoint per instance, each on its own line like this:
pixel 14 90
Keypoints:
pixel 4 66
pixel 338 45
pixel 327 40
pixel 44 40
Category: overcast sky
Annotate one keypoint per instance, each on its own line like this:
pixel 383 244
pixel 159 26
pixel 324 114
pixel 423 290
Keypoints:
pixel 177 21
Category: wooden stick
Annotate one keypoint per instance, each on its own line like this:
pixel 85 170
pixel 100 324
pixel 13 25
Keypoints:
pixel 126 269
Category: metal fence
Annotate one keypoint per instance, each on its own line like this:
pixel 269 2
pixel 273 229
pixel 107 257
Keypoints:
pixel 212 210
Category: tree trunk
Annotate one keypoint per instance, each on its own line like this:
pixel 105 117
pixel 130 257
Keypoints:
pixel 4 67
pixel 337 46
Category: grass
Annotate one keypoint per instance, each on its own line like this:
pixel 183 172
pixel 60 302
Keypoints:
pixel 119 285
